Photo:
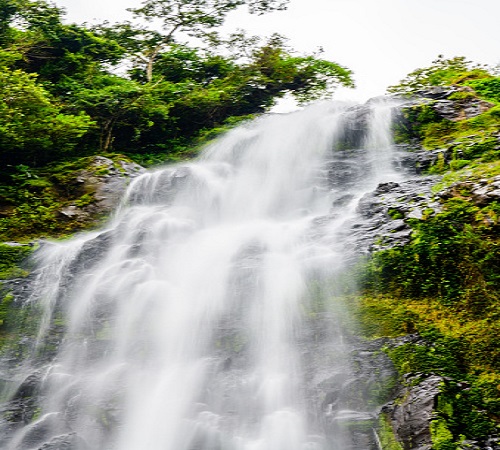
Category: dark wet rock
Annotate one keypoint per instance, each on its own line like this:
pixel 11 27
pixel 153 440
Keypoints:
pixel 69 441
pixel 440 100
pixel 91 252
pixel 355 127
pixel 437 92
pixel 411 413
pixel 382 215
pixel 346 168
pixel 104 181
pixel 357 428
pixel 382 188
pixel 160 187
pixel 415 407
pixel 41 431
pixel 342 200
pixel 459 110
pixel 29 387
pixel 350 398
pixel 413 159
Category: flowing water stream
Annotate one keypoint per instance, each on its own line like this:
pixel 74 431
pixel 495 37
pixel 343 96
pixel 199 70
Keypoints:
pixel 198 318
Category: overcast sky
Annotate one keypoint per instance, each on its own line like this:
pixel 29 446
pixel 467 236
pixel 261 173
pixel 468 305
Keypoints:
pixel 380 40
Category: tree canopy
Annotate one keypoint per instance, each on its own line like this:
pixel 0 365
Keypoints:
pixel 134 88
pixel 443 71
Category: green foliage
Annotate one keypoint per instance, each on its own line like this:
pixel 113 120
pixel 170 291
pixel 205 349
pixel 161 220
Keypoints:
pixel 444 285
pixel 452 256
pixel 435 358
pixel 442 72
pixel 442 438
pixel 10 258
pixel 63 100
pixel 4 307
pixel 36 197
pixel 488 88
pixel 386 434
pixel 452 344
pixel 414 122
pixel 32 127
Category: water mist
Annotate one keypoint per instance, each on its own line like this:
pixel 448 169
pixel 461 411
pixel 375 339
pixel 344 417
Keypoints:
pixel 198 318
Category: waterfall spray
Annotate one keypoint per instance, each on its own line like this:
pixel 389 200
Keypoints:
pixel 196 319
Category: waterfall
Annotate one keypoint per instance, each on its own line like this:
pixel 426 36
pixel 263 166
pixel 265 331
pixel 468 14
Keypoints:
pixel 198 319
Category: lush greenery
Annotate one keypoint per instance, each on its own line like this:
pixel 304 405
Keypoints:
pixel 34 202
pixel 64 95
pixel 468 138
pixel 11 256
pixel 442 72
pixel 444 286
pixel 71 91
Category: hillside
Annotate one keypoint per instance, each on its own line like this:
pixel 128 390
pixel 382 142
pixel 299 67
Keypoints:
pixel 441 289
pixel 74 133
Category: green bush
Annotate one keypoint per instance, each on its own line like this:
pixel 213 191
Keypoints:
pixel 10 258
pixel 488 88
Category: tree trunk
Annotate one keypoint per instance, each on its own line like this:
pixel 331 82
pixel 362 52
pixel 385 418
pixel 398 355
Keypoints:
pixel 107 135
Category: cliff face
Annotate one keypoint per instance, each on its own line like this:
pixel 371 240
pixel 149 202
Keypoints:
pixel 433 272
pixel 429 284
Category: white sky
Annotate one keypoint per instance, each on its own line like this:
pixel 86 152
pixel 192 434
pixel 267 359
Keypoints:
pixel 380 40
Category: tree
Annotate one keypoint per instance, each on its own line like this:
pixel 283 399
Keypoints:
pixel 35 40
pixel 192 17
pixel 207 89
pixel 32 128
pixel 122 106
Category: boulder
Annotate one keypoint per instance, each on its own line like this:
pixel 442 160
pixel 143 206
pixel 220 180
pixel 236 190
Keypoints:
pixel 411 413
pixel 101 186
pixel 441 101
pixel 381 219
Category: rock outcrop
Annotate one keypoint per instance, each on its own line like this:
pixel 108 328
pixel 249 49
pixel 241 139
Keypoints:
pixel 101 185
pixel 480 192
pixel 416 418
pixel 382 216
pixel 451 103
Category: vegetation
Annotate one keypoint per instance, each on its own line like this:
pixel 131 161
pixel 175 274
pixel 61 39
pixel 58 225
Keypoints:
pixel 11 256
pixel 62 79
pixel 67 98
pixel 442 72
pixel 471 140
pixel 444 286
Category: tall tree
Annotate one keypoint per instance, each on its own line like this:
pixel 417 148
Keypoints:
pixel 33 130
pixel 34 38
pixel 192 17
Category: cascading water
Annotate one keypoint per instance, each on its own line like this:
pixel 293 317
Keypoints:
pixel 196 320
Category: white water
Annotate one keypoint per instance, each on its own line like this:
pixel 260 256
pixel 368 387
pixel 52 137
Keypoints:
pixel 190 330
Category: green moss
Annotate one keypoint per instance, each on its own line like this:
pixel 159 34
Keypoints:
pixel 10 258
pixel 395 214
pixel 438 358
pixel 386 435
pixel 458 164
pixel 442 438
pixel 487 88
pixel 84 200
pixel 37 196
pixel 462 95
pixel 4 308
